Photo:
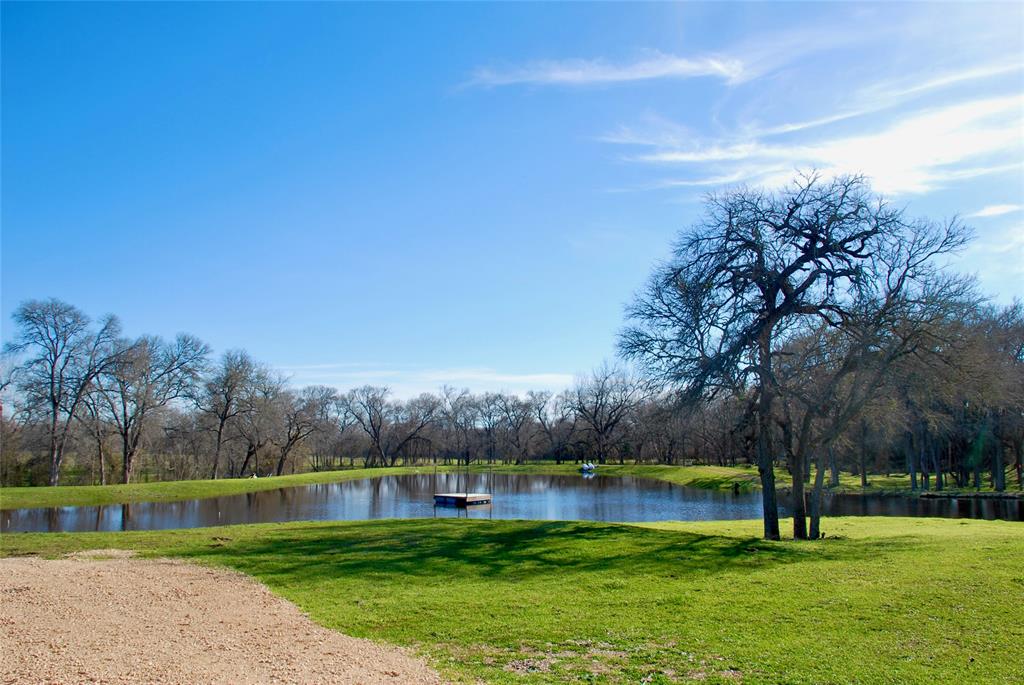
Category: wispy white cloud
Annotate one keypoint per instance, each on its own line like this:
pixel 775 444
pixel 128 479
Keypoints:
pixel 912 153
pixel 579 72
pixel 736 64
pixel 882 96
pixel 995 210
pixel 895 90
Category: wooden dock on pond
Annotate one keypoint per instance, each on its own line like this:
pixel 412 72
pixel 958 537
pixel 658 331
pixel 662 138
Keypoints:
pixel 461 499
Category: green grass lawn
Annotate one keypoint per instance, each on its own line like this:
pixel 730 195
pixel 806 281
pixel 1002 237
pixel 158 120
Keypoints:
pixel 94 495
pixel 880 600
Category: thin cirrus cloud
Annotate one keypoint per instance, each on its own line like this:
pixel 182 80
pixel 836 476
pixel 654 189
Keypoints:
pixel 912 153
pixel 883 96
pixel 579 72
pixel 736 64
pixel 995 210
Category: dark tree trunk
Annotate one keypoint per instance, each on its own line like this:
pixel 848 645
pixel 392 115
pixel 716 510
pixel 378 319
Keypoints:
pixel 911 465
pixel 216 451
pixel 101 461
pixel 128 461
pixel 819 482
pixel 250 451
pixel 863 453
pixel 998 470
pixel 799 499
pixel 56 453
pixel 765 453
pixel 1019 449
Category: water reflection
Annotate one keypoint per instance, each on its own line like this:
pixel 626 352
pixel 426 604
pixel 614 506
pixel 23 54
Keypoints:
pixel 594 498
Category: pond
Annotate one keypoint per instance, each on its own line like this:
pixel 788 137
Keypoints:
pixel 592 498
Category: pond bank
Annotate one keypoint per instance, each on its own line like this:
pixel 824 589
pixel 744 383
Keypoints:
pixel 727 478
pixel 709 477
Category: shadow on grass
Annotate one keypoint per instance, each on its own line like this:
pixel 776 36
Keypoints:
pixel 508 549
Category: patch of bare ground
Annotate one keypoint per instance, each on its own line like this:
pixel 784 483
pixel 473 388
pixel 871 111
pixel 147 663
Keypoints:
pixel 120 620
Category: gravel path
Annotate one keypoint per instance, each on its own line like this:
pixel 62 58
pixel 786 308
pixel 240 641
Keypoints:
pixel 127 620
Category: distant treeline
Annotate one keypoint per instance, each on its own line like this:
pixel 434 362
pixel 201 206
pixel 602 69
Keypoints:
pixel 165 409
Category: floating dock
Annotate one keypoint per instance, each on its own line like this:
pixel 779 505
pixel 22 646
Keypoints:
pixel 461 499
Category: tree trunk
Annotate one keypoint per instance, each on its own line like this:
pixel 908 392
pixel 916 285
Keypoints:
pixel 128 459
pixel 819 482
pixel 285 451
pixel 55 448
pixel 216 452
pixel 863 453
pixel 249 452
pixel 100 459
pixel 1019 449
pixel 799 499
pixel 998 470
pixel 911 465
pixel 765 455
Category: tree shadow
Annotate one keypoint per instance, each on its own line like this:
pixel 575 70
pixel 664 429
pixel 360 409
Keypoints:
pixel 514 550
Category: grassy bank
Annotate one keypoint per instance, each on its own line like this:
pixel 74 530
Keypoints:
pixel 710 477
pixel 94 495
pixel 878 601
pixel 707 477
pixel 169 491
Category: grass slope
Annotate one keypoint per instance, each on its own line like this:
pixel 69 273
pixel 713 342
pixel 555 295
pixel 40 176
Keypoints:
pixel 881 600
pixel 94 495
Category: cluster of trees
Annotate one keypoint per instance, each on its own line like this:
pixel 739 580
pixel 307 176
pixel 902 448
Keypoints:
pixel 813 328
pixel 828 314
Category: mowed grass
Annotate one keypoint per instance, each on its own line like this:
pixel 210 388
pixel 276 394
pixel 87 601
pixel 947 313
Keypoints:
pixel 880 600
pixel 94 495
pixel 169 491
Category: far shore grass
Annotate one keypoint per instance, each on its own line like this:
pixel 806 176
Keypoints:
pixel 715 477
pixel 879 600
pixel 744 478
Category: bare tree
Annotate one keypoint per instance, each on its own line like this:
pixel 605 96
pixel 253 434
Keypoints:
pixel 262 409
pixel 458 417
pixel 520 430
pixel 149 374
pixel 601 402
pixel 557 420
pixel 304 412
pixel 64 358
pixel 391 426
pixel 222 394
pixel 759 270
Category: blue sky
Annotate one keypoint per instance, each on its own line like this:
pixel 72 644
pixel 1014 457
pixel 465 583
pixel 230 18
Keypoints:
pixel 465 193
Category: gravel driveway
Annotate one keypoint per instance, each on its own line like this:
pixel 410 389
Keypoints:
pixel 123 620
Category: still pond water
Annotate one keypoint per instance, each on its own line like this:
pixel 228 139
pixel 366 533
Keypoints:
pixel 591 498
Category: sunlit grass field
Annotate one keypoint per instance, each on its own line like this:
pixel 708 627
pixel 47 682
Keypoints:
pixel 880 600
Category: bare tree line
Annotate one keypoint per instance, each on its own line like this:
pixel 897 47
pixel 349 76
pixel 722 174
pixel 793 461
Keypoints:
pixel 109 403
